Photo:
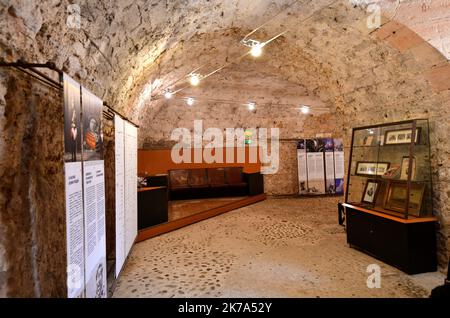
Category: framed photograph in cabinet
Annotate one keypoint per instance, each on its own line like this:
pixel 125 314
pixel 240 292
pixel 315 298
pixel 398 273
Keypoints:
pixel 371 168
pixel 368 140
pixel 405 167
pixel 397 194
pixel 401 136
pixel 371 191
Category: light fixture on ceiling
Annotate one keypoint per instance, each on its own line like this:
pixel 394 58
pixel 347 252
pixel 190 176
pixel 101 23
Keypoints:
pixel 256 50
pixel 251 106
pixel 168 94
pixel 190 101
pixel 194 79
pixel 256 47
pixel 305 109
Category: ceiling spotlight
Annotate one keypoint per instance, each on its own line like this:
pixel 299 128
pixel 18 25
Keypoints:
pixel 168 94
pixel 251 106
pixel 190 101
pixel 256 50
pixel 194 79
pixel 305 109
pixel 255 46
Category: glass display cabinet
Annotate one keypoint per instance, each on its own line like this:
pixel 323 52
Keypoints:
pixel 388 200
pixel 389 170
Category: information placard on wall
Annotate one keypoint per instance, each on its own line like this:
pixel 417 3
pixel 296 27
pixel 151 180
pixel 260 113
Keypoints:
pixel 130 185
pixel 94 196
pixel 315 166
pixel 126 189
pixel 85 192
pixel 120 193
pixel 73 188
pixel 75 229
pixel 330 185
pixel 94 222
pixel 339 166
pixel 302 168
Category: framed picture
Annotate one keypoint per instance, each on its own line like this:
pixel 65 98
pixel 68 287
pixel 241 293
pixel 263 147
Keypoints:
pixel 371 168
pixel 371 191
pixel 405 167
pixel 367 141
pixel 401 136
pixel 396 197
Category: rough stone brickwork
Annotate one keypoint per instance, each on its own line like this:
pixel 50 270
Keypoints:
pixel 126 51
pixel 32 218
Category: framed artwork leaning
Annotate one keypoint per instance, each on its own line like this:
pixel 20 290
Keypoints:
pixel 371 191
pixel 396 197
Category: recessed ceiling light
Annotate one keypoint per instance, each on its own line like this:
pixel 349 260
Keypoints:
pixel 251 106
pixel 305 109
pixel 168 94
pixel 190 101
pixel 194 79
pixel 256 50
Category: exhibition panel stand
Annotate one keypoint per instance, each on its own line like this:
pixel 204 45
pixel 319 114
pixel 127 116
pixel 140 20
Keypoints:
pixel 84 173
pixel 320 166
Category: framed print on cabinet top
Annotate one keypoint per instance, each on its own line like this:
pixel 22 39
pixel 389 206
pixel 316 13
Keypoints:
pixel 371 168
pixel 401 136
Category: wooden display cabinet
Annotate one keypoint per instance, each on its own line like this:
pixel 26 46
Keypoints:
pixel 388 201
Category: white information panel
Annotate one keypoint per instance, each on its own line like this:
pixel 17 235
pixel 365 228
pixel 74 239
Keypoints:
pixel 329 172
pixel 316 172
pixel 320 166
pixel 74 226
pixel 302 167
pixel 130 173
pixel 339 164
pixel 94 224
pixel 120 193
pixel 339 168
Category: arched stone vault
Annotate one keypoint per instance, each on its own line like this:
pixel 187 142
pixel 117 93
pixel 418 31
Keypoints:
pixel 127 50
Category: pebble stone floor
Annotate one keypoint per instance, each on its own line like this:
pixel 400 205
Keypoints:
pixel 281 247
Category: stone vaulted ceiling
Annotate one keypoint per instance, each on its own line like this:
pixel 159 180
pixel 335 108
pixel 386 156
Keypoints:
pixel 124 45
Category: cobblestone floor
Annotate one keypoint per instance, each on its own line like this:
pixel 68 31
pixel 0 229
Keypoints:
pixel 289 247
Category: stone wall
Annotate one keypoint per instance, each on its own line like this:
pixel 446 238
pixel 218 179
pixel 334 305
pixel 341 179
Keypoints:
pixel 127 51
pixel 395 100
pixel 32 218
